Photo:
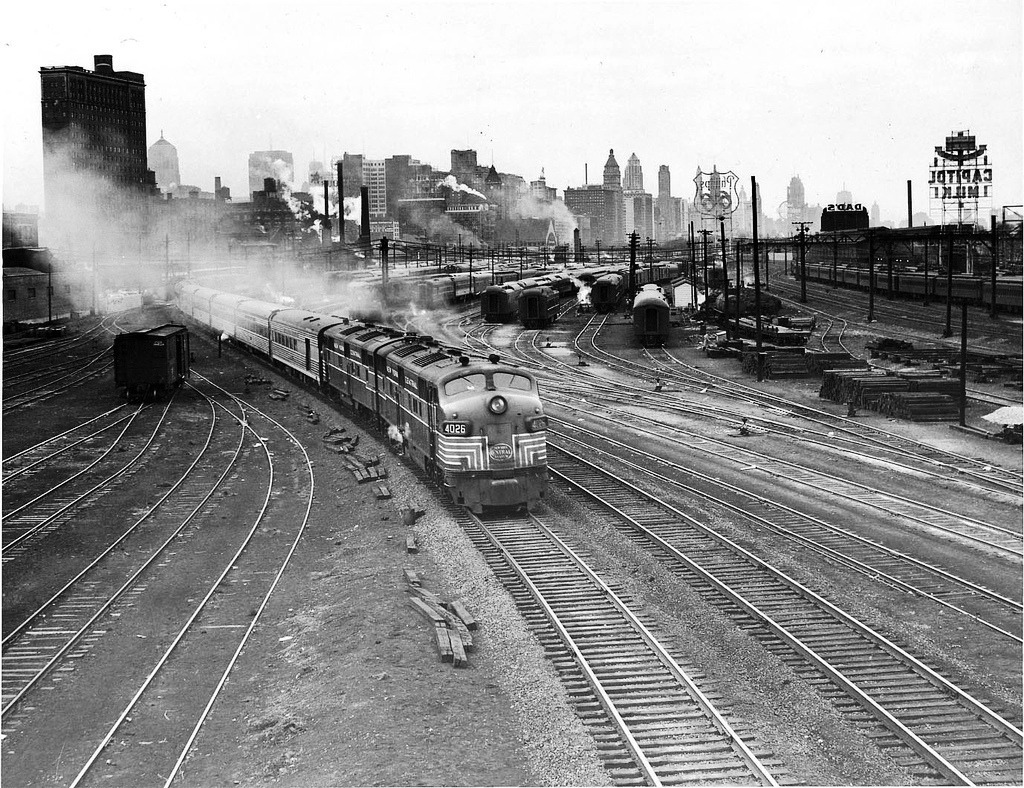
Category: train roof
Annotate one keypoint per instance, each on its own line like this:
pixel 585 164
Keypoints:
pixel 305 320
pixel 160 332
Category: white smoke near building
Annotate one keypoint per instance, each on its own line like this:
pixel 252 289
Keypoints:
pixel 582 292
pixel 452 183
pixel 529 207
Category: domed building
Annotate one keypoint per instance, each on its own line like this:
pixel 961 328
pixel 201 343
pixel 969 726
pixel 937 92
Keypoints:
pixel 163 160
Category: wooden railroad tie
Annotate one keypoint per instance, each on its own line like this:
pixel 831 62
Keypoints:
pixel 452 622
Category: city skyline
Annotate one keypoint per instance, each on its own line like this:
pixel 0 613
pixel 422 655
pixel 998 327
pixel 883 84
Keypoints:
pixel 451 77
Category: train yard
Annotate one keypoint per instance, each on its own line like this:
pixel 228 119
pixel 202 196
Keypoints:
pixel 729 581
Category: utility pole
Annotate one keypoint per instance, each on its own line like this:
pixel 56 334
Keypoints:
pixel 693 270
pixel 926 271
pixel 835 258
pixel 948 331
pixel 963 361
pixel 871 276
pixel 704 246
pixel 757 283
pixel 803 260
pixel 888 267
pixel 739 281
pixel 650 260
pixel 995 262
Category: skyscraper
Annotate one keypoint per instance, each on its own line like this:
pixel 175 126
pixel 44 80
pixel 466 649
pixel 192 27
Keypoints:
pixel 613 183
pixel 163 160
pixel 94 137
pixel 633 178
pixel 796 203
pixel 665 217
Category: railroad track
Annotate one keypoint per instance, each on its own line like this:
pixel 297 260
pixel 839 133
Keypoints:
pixel 668 731
pixel 932 725
pixel 214 580
pixel 26 520
pixel 1001 540
pixel 944 586
pixel 46 451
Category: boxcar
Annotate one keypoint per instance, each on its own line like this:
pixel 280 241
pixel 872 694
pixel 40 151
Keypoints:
pixel 149 363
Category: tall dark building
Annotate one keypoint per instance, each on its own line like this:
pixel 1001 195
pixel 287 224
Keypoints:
pixel 94 137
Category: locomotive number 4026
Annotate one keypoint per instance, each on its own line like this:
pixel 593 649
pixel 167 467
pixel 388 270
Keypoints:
pixel 455 428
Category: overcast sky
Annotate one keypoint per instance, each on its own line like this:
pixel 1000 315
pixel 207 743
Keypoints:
pixel 855 93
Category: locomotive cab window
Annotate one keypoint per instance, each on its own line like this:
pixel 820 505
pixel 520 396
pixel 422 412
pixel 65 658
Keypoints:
pixel 473 382
pixel 509 380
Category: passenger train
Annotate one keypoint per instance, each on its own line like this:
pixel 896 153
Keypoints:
pixel 476 425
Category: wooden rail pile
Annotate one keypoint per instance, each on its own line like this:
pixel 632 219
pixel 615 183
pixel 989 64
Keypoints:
pixel 817 361
pixel 842 385
pixel 779 366
pixel 919 406
pixel 453 623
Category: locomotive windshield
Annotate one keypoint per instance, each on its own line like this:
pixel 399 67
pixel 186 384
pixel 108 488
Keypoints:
pixel 477 381
pixel 508 380
pixel 473 382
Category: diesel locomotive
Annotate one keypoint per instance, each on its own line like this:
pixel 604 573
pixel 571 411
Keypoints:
pixel 476 425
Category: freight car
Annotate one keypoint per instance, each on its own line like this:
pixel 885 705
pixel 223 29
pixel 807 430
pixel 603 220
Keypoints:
pixel 476 425
pixel 974 290
pixel 151 362
pixel 651 316
pixel 607 292
pixel 538 306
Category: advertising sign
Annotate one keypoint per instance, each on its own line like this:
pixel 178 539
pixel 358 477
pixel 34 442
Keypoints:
pixel 716 196
pixel 960 181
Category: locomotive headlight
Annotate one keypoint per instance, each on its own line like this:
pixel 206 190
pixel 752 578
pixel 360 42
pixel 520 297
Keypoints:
pixel 497 405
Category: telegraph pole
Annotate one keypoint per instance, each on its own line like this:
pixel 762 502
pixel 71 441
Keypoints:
pixel 963 361
pixel 871 276
pixel 650 260
pixel 803 260
pixel 995 261
pixel 757 283
pixel 693 270
pixel 704 244
pixel 948 331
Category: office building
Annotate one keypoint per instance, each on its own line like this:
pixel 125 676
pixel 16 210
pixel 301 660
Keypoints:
pixel 94 138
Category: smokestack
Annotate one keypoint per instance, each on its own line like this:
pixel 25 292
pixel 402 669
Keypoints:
pixel 910 207
pixel 341 203
pixel 576 245
pixel 325 228
pixel 104 63
pixel 364 213
pixel 364 221
pixel 586 177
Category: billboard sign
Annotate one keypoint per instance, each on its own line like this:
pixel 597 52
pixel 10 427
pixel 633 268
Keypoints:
pixel 716 196
pixel 960 181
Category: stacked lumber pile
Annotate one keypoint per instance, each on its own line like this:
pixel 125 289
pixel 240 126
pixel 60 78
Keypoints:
pixel 748 361
pixel 779 366
pixel 453 624
pixel 841 385
pixel 919 406
pixel 818 361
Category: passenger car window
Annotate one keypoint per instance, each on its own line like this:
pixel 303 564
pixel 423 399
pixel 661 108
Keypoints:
pixel 474 382
pixel 507 380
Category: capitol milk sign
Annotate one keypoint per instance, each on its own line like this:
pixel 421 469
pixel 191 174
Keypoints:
pixel 960 181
